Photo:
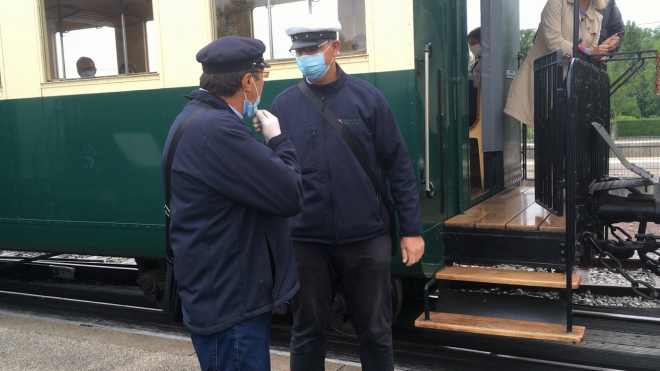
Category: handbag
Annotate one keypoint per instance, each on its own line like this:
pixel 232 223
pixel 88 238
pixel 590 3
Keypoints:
pixel 171 299
pixel 357 152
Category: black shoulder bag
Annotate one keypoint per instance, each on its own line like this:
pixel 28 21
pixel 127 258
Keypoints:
pixel 171 299
pixel 350 141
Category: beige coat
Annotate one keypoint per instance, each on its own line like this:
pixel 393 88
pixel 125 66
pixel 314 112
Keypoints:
pixel 555 32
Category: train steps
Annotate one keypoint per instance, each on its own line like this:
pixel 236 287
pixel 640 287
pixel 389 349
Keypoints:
pixel 501 315
pixel 508 228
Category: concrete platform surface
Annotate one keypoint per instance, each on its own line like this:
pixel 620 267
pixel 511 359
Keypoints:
pixel 28 344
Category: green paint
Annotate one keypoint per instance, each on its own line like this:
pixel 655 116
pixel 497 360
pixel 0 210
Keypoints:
pixel 81 173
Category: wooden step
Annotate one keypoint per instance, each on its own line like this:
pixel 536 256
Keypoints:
pixel 507 277
pixel 500 327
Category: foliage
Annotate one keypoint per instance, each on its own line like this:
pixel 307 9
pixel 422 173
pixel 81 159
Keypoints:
pixel 639 128
pixel 635 98
pixel 526 39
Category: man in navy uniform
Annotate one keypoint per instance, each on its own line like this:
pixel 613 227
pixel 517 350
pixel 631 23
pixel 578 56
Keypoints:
pixel 343 228
pixel 230 197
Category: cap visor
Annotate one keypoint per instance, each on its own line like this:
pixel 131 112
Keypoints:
pixel 299 44
pixel 262 64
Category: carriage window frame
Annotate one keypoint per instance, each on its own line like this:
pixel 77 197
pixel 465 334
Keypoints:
pixel 50 67
pixel 363 51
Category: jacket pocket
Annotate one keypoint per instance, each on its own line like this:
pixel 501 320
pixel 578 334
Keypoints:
pixel 271 263
pixel 378 201
pixel 316 149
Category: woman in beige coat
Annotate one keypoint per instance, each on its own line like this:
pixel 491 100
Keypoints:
pixel 556 32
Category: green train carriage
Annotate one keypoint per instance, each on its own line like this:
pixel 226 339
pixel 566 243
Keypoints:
pixel 80 158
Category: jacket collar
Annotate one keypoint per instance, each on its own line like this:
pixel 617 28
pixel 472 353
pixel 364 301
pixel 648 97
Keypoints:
pixel 204 97
pixel 333 87
pixel 591 11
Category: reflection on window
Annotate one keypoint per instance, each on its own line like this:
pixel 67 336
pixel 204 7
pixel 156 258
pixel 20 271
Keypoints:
pixel 267 20
pixel 96 38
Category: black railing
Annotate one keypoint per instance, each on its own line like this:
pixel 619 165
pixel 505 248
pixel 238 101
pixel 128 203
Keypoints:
pixel 549 131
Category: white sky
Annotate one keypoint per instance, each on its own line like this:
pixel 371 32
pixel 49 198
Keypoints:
pixel 643 12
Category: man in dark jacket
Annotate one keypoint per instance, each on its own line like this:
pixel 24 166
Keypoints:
pixel 230 197
pixel 612 24
pixel 343 228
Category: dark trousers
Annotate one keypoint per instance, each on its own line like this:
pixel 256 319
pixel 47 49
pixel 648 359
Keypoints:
pixel 364 271
pixel 243 347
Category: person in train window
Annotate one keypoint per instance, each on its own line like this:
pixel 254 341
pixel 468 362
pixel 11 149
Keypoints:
pixel 474 73
pixel 131 68
pixel 230 197
pixel 86 67
pixel 556 32
pixel 612 24
pixel 343 227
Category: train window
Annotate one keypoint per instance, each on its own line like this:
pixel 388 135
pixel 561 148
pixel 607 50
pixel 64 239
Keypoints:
pixel 266 20
pixel 95 38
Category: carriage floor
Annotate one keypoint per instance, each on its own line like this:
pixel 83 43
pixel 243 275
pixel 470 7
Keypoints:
pixel 513 209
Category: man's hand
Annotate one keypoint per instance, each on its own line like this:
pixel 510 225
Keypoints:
pixel 412 249
pixel 266 124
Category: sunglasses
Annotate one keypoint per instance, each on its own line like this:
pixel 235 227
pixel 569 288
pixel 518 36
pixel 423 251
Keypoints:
pixel 309 50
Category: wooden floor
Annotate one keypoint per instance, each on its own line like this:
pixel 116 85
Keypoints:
pixel 514 208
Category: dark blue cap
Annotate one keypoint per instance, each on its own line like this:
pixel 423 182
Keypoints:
pixel 232 54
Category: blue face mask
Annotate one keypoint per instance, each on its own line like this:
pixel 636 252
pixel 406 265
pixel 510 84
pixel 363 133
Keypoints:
pixel 87 74
pixel 313 66
pixel 249 109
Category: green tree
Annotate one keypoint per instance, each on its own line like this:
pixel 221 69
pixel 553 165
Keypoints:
pixel 526 39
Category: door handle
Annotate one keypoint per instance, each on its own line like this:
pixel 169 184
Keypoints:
pixel 428 187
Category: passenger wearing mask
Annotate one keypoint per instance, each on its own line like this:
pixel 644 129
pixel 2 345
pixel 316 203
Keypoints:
pixel 86 67
pixel 556 32
pixel 343 229
pixel 612 24
pixel 230 197
pixel 474 73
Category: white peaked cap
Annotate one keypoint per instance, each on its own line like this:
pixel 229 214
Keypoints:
pixel 313 23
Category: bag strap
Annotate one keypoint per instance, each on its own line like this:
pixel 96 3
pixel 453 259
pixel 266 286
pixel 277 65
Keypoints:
pixel 168 175
pixel 350 142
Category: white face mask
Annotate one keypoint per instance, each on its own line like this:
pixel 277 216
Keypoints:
pixel 476 50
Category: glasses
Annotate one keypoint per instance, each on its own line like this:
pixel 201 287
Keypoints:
pixel 310 50
pixel 265 73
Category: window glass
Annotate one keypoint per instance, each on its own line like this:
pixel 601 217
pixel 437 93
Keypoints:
pixel 97 38
pixel 253 19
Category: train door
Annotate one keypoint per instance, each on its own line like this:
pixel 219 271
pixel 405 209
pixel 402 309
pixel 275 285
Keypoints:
pixel 440 56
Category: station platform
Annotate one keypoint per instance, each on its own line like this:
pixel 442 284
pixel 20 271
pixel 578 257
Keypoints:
pixel 36 344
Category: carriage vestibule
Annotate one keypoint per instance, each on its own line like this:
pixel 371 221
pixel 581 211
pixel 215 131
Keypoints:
pixel 255 19
pixel 87 38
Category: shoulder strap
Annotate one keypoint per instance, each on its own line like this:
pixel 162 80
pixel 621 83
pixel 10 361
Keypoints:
pixel 168 175
pixel 350 141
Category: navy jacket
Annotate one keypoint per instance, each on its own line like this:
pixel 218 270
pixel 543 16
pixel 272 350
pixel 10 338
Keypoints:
pixel 612 24
pixel 340 203
pixel 231 195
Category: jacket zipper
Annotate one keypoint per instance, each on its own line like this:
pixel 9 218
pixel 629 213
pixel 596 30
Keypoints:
pixel 316 153
pixel 327 169
pixel 378 215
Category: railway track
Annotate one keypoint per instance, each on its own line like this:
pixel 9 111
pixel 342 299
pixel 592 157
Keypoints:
pixel 415 349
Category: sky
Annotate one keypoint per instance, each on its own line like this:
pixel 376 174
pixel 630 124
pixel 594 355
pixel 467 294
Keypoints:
pixel 645 13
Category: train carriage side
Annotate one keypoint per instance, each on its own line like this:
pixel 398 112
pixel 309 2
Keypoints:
pixel 80 160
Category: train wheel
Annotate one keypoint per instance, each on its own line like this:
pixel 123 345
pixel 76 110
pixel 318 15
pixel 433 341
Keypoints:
pixel 339 317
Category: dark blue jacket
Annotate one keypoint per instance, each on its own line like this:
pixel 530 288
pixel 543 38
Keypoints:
pixel 231 195
pixel 340 203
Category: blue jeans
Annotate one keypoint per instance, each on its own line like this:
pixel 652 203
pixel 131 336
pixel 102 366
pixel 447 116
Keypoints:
pixel 243 347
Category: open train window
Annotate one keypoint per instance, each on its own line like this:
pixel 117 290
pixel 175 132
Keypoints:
pixel 97 38
pixel 266 20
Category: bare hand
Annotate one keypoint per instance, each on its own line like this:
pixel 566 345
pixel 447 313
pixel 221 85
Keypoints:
pixel 412 249
pixel 612 42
